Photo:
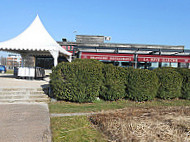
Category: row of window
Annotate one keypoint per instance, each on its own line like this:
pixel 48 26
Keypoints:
pixel 148 65
pixel 47 63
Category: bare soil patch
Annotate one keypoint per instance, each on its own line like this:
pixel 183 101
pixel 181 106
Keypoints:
pixel 157 124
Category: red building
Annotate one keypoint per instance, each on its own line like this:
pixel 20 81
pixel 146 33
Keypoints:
pixel 125 55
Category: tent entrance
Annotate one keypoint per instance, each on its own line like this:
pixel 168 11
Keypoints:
pixel 47 62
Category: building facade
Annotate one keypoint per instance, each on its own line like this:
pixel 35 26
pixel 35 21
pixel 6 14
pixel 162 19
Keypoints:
pixel 128 55
pixel 13 60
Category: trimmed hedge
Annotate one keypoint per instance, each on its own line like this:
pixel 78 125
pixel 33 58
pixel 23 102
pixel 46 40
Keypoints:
pixel 142 85
pixel 84 80
pixel 170 83
pixel 113 87
pixel 185 90
pixel 78 81
pixel 127 72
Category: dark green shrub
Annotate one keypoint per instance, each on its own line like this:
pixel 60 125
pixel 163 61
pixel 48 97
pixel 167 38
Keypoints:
pixel 78 81
pixel 142 85
pixel 113 87
pixel 170 83
pixel 185 89
pixel 128 71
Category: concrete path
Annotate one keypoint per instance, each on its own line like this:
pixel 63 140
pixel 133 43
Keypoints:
pixel 24 123
pixel 9 81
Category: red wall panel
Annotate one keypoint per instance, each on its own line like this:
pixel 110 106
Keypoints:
pixel 164 58
pixel 107 56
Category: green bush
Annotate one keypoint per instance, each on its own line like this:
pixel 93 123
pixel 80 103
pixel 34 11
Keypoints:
pixel 170 83
pixel 78 81
pixel 142 85
pixel 128 71
pixel 113 87
pixel 185 89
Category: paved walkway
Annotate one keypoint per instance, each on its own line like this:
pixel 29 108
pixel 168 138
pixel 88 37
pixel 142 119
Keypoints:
pixel 9 81
pixel 24 123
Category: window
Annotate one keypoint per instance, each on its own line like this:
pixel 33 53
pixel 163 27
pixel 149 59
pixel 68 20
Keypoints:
pixel 174 65
pixel 165 64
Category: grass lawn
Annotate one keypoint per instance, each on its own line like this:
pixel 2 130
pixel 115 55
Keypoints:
pixel 68 107
pixel 74 129
pixel 79 129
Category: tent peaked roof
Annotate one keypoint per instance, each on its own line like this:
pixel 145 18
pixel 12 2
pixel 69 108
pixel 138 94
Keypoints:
pixel 35 38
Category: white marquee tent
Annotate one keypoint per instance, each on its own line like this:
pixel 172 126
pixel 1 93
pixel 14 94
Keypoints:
pixel 35 40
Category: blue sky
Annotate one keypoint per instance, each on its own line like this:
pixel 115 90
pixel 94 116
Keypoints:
pixel 165 22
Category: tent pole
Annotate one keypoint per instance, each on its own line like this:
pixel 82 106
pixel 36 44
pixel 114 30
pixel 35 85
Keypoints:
pixel 55 61
pixel 23 59
pixel 55 55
